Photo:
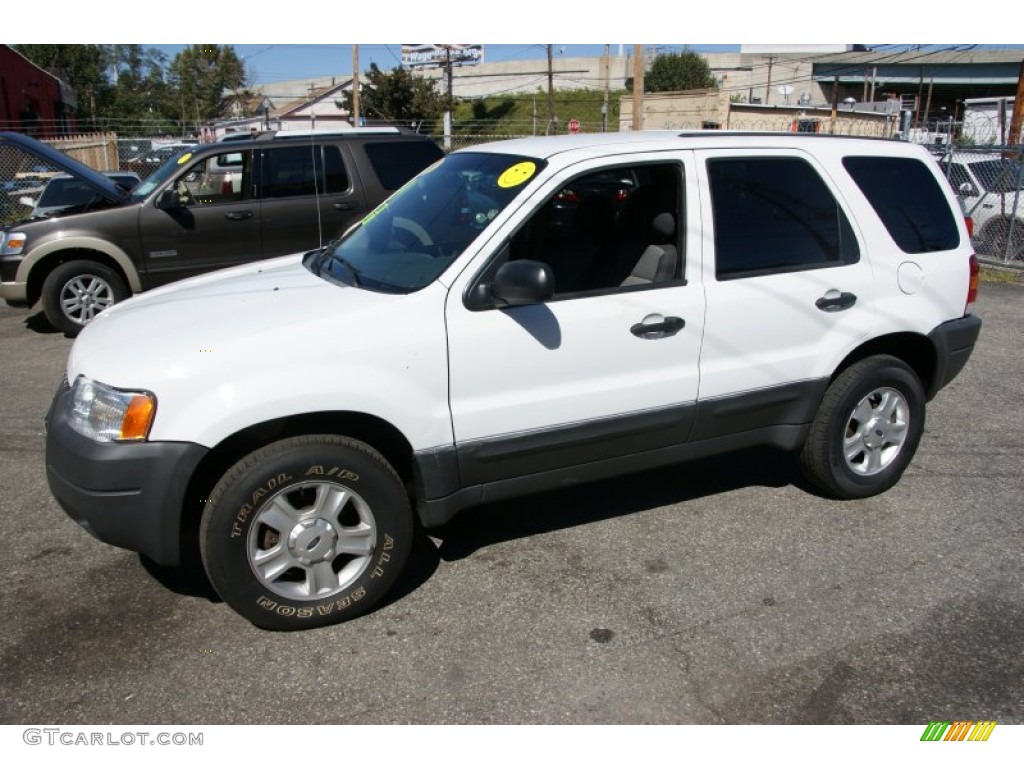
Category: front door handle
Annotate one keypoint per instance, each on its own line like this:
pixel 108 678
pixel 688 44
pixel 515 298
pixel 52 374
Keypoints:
pixel 238 215
pixel 657 327
pixel 834 301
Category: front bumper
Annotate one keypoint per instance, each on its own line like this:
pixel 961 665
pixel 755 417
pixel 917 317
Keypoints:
pixel 129 495
pixel 954 342
pixel 10 289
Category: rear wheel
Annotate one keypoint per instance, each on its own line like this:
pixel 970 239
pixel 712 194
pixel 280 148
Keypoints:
pixel 75 292
pixel 306 532
pixel 866 430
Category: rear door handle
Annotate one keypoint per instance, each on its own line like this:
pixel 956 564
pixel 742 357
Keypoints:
pixel 657 327
pixel 342 206
pixel 238 215
pixel 834 301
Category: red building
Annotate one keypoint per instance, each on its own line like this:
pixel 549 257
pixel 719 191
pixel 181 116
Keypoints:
pixel 32 100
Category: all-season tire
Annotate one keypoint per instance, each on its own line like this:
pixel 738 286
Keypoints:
pixel 76 291
pixel 306 532
pixel 866 430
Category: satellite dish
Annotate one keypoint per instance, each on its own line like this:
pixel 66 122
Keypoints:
pixel 805 98
pixel 785 90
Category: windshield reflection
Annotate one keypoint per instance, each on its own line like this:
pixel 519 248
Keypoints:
pixel 410 239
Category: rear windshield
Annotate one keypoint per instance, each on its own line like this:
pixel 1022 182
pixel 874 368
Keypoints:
pixel 395 162
pixel 69 192
pixel 908 199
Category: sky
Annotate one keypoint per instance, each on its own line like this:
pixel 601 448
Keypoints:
pixel 313 38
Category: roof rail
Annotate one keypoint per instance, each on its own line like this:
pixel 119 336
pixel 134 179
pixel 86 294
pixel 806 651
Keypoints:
pixel 301 134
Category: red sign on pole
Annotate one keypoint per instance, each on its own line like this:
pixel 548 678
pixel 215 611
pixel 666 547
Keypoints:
pixel 574 126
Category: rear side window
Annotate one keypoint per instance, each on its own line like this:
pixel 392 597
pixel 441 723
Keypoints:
pixel 909 201
pixel 395 162
pixel 775 214
pixel 288 171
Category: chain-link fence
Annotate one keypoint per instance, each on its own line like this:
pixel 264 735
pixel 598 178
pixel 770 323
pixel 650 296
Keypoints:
pixel 22 178
pixel 989 182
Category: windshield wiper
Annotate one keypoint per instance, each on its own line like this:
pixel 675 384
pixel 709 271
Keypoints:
pixel 356 276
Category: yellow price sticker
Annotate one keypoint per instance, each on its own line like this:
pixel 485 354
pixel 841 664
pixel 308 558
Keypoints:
pixel 184 158
pixel 518 174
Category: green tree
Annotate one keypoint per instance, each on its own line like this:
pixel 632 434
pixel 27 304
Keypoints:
pixel 397 96
pixel 141 98
pixel 205 79
pixel 682 71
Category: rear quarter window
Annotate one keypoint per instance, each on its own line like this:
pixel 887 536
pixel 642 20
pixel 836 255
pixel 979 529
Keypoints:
pixel 908 199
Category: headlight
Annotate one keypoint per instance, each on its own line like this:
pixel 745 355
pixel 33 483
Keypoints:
pixel 109 415
pixel 13 244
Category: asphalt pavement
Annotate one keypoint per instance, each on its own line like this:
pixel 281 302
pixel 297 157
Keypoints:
pixel 722 591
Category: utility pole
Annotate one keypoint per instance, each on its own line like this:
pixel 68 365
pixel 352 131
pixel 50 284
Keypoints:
pixel 928 103
pixel 874 74
pixel 1018 109
pixel 448 100
pixel 607 86
pixel 835 103
pixel 312 109
pixel 552 120
pixel 768 85
pixel 638 87
pixel 355 86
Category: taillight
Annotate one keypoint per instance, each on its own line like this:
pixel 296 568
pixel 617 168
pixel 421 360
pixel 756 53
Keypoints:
pixel 972 285
pixel 970 226
pixel 225 187
pixel 567 196
pixel 621 194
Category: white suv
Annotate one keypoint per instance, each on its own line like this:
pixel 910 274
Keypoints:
pixel 991 188
pixel 463 344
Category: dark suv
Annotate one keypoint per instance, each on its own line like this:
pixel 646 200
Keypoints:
pixel 210 206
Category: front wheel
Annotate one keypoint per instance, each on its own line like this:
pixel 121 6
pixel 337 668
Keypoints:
pixel 75 292
pixel 866 430
pixel 306 532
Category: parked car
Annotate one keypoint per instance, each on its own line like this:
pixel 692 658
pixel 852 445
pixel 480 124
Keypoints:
pixel 209 207
pixel 992 190
pixel 293 420
pixel 63 192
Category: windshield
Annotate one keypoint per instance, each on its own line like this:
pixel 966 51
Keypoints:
pixel 161 174
pixel 998 175
pixel 410 239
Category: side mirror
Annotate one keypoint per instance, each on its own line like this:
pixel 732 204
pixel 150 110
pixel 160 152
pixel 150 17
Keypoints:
pixel 968 189
pixel 522 282
pixel 168 199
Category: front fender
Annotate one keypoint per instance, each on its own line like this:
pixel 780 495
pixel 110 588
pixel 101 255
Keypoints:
pixel 78 242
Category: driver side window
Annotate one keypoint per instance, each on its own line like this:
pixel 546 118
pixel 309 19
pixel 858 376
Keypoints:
pixel 214 180
pixel 607 230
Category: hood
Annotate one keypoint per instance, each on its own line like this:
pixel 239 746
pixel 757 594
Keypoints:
pixel 235 312
pixel 103 186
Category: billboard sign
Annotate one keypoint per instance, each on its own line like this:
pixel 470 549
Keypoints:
pixel 436 54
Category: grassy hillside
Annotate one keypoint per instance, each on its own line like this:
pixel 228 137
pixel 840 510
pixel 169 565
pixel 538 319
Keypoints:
pixel 513 115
